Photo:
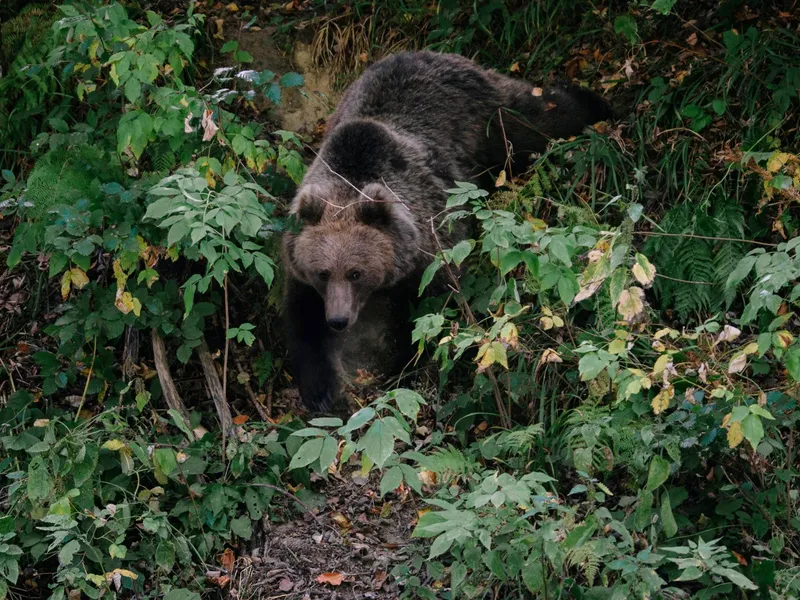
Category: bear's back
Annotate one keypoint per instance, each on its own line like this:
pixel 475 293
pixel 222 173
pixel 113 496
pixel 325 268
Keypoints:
pixel 443 100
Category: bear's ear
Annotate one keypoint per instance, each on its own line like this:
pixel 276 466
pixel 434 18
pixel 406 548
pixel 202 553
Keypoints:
pixel 309 205
pixel 378 207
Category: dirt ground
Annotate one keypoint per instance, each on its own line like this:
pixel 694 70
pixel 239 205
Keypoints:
pixel 353 543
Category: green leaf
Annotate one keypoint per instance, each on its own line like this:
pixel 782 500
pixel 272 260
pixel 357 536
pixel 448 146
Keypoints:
pixel 243 56
pixel 533 575
pixel 510 261
pixel 667 518
pixel 165 555
pixel 328 454
pixel 408 402
pixel 291 80
pixel 625 26
pixel 741 271
pixel 659 472
pixel 264 266
pixel 460 251
pixel 229 46
pixel 67 553
pixel 133 89
pixel 753 429
pixel 378 443
pixel 440 545
pixel 360 418
pixel 793 362
pixel 719 106
pixel 590 366
pixel 39 481
pixel 558 249
pixel 663 6
pixel 391 480
pixel 326 422
pixel 736 578
pixel 164 459
pixel 458 573
pixel 307 453
pixel 242 527
pixel 427 275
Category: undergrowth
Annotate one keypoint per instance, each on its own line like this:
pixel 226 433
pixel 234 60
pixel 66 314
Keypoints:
pixel 617 367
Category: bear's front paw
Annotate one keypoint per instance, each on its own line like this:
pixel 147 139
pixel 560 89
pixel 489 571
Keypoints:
pixel 318 394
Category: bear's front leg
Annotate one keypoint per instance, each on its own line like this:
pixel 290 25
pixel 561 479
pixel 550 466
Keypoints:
pixel 310 344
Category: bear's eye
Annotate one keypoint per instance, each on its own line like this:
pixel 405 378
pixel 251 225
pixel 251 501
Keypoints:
pixel 354 275
pixel 324 275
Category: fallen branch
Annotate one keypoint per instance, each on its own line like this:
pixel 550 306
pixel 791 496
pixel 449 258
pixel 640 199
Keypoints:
pixel 171 394
pixel 215 389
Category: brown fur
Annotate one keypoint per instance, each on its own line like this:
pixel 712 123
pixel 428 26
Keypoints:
pixel 405 131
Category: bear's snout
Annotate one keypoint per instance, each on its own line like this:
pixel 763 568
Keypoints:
pixel 338 323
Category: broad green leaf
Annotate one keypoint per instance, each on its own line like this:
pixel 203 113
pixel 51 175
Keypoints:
pixel 427 275
pixel 40 483
pixel 165 555
pixel 242 527
pixel 667 518
pixel 307 453
pixel 328 453
pixel 391 480
pixel 658 474
pixel 66 554
pixel 460 251
pixel 440 545
pixel 753 430
pixel 164 459
pixel 378 443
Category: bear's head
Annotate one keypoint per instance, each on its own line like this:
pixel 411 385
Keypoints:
pixel 351 243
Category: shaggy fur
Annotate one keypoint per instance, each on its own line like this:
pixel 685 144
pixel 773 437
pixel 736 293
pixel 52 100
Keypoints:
pixel 404 132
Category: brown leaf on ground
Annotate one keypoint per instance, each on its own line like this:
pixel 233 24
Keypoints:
pixel 330 578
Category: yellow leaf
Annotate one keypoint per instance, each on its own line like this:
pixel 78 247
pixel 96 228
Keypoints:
pixel 65 281
pixel 501 179
pixel 119 274
pixel 631 303
pixel 725 421
pixel 114 445
pixel 644 271
pixel 661 402
pixel 537 91
pixel 666 331
pixel 751 348
pixel 782 338
pixel 616 346
pixel 735 435
pixel 123 572
pixel 78 277
pixel 510 335
pixel 114 75
pixel 126 303
pixel 777 160
pixel 738 363
pixel 549 356
pixel 41 422
pixel 538 224
pixel 661 363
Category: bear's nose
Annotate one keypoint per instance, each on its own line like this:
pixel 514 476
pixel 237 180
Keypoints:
pixel 338 323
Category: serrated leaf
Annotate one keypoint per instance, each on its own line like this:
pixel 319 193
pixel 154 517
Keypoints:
pixel 631 303
pixel 427 275
pixel 378 443
pixel 40 483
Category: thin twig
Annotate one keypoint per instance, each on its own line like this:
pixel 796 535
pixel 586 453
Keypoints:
pixel 227 341
pixel 290 496
pixel 498 396
pixel 10 376
pixel 88 379
pixel 253 398
pixel 701 237
pixel 683 280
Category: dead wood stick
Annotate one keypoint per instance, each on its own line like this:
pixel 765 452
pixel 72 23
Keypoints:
pixel 253 398
pixel 215 389
pixel 165 377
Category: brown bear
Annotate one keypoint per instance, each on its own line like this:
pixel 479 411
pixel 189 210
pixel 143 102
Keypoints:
pixel 409 127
